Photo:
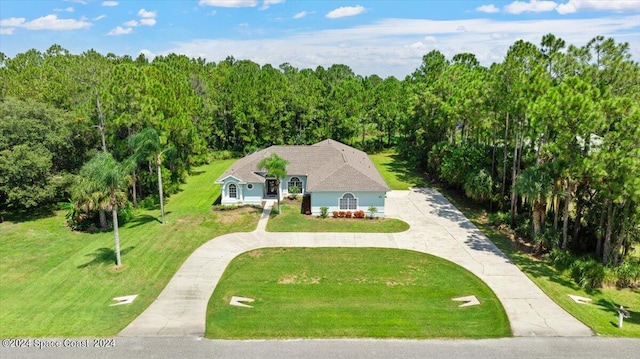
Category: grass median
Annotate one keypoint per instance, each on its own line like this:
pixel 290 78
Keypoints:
pixel 351 293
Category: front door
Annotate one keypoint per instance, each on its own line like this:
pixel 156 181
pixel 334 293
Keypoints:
pixel 272 187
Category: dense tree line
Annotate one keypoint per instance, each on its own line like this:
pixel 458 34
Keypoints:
pixel 549 137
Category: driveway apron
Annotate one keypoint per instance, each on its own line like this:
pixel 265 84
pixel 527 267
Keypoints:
pixel 437 228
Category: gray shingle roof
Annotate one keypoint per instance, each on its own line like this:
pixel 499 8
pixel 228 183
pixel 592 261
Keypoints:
pixel 329 166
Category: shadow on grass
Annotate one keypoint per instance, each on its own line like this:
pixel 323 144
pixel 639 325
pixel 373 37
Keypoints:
pixel 405 172
pixel 611 307
pixel 29 215
pixel 104 256
pixel 142 220
pixel 217 201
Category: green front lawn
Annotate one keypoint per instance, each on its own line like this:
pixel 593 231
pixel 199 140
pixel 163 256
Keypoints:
pixel 292 220
pixel 351 293
pixel 55 282
pixel 398 173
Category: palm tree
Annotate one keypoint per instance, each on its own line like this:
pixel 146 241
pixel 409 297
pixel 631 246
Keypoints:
pixel 101 176
pixel 88 197
pixel 146 145
pixel 275 167
pixel 535 187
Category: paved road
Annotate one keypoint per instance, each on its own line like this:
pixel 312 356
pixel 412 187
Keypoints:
pixel 437 227
pixel 191 347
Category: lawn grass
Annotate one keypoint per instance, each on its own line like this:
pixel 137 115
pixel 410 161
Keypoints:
pixel 351 293
pixel 292 220
pixel 55 282
pixel 397 172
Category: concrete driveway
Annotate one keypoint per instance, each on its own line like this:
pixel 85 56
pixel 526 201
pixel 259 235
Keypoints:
pixel 437 228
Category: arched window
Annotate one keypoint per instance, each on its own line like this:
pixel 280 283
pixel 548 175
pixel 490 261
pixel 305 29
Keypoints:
pixel 294 181
pixel 348 202
pixel 233 191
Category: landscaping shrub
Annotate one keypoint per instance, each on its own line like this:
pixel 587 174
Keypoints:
pixel 499 218
pixel 627 274
pixel 126 213
pixel 335 214
pixel 588 273
pixel 359 214
pixel 479 186
pixel 348 214
pixel 293 192
pixel 324 212
pixel 151 202
pixel 372 211
pixel 561 259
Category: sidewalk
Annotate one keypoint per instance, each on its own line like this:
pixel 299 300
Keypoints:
pixel 437 228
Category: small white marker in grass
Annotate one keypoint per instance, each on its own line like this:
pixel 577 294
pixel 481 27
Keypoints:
pixel 470 300
pixel 127 299
pixel 580 300
pixel 237 301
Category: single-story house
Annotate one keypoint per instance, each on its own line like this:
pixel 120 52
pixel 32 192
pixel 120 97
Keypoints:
pixel 328 173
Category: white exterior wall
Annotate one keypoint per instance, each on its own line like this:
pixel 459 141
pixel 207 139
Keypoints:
pixel 244 194
pixel 332 200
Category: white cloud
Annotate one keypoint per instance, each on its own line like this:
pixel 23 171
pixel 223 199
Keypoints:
pixel 120 31
pixel 518 7
pixel 147 18
pixel 345 11
pixel 431 39
pixel 599 5
pixel 147 14
pixel 77 1
pixel 300 15
pixel 49 22
pixel 13 21
pixel 396 46
pixel 228 3
pixel 99 17
pixel 267 3
pixel 147 21
pixel 109 3
pixel 7 31
pixel 489 9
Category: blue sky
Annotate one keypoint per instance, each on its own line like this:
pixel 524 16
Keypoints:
pixel 372 37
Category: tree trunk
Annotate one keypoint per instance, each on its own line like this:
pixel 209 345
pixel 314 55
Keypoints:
pixel 103 219
pixel 600 236
pixel 160 192
pixel 504 161
pixel 513 180
pixel 278 193
pixel 535 208
pixel 556 212
pixel 116 235
pixel 134 195
pixel 606 252
pixel 101 126
pixel 565 216
pixel 576 229
pixel 493 164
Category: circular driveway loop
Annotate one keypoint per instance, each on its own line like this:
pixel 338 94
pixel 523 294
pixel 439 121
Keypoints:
pixel 437 228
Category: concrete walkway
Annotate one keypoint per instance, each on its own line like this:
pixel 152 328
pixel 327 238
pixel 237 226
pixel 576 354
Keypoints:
pixel 437 228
